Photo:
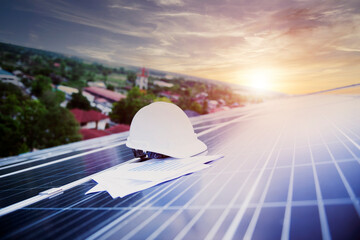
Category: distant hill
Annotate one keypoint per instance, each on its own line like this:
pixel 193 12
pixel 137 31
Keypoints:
pixel 244 90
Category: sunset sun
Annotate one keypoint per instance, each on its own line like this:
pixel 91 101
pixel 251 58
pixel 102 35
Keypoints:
pixel 260 79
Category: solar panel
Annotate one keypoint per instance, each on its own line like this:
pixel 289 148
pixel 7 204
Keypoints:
pixel 291 170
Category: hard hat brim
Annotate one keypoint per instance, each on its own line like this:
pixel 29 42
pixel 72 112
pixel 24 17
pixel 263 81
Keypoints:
pixel 190 149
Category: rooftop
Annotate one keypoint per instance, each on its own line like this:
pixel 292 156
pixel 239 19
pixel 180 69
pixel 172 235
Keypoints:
pixel 66 89
pixel 91 133
pixel 3 72
pixel 83 116
pixel 104 93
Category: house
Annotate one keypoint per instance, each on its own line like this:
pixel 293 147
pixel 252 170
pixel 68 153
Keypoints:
pixel 18 73
pixel 67 90
pixel 118 128
pixel 163 84
pixel 201 97
pixel 89 97
pixel 97 84
pixel 212 104
pixel 90 119
pixel 174 97
pixel 142 79
pixel 94 133
pixel 91 133
pixel 7 77
pixel 103 105
pixel 110 96
pixel 102 98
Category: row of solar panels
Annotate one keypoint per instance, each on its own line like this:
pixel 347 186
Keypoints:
pixel 291 170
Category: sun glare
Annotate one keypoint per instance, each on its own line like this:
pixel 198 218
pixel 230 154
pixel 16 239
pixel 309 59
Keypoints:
pixel 259 79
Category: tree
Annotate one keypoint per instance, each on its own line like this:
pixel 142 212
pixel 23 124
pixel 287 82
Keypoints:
pixel 162 99
pixel 90 76
pixel 60 128
pixel 56 79
pixel 105 74
pixel 50 98
pixel 27 124
pixel 110 87
pixel 40 85
pixel 11 141
pixel 194 106
pixel 33 121
pixel 131 77
pixel 124 110
pixel 78 101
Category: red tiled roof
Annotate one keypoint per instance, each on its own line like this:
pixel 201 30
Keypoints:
pixel 87 116
pixel 118 128
pixel 104 93
pixel 92 133
pixel 101 100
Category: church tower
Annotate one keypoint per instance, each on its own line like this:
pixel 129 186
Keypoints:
pixel 142 79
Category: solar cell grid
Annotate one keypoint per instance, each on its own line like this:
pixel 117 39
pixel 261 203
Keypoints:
pixel 291 173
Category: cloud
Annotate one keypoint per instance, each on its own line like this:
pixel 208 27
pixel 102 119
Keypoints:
pixel 131 8
pixel 213 39
pixel 96 53
pixel 169 2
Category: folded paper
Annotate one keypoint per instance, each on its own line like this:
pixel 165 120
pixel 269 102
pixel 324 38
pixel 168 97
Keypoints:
pixel 137 176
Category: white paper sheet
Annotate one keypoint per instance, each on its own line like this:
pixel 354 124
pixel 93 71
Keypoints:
pixel 134 177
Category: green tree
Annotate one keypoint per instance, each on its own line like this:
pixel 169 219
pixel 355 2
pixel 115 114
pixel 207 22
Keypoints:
pixel 90 76
pixel 52 98
pixel 40 85
pixel 12 140
pixel 27 124
pixel 110 87
pixel 56 79
pixel 124 110
pixel 131 77
pixel 33 120
pixel 105 73
pixel 78 101
pixel 196 107
pixel 60 128
pixel 162 99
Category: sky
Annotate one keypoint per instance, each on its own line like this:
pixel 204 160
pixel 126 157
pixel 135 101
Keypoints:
pixel 294 46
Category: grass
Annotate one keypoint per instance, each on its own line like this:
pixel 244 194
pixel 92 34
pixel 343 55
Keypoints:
pixel 118 80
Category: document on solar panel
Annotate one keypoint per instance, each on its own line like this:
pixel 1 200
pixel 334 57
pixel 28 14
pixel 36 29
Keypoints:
pixel 134 177
pixel 290 171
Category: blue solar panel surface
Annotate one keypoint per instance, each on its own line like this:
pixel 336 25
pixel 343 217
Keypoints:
pixel 291 170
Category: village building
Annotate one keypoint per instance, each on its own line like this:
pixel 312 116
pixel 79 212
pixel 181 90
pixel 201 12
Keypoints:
pixel 142 79
pixel 102 98
pixel 106 94
pixel 163 84
pixel 90 119
pixel 7 77
pixel 96 84
pixel 94 133
pixel 174 97
pixel 67 90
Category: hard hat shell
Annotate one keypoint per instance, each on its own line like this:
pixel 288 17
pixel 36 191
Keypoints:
pixel 164 128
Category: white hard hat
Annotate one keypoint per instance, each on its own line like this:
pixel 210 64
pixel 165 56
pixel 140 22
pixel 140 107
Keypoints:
pixel 165 129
